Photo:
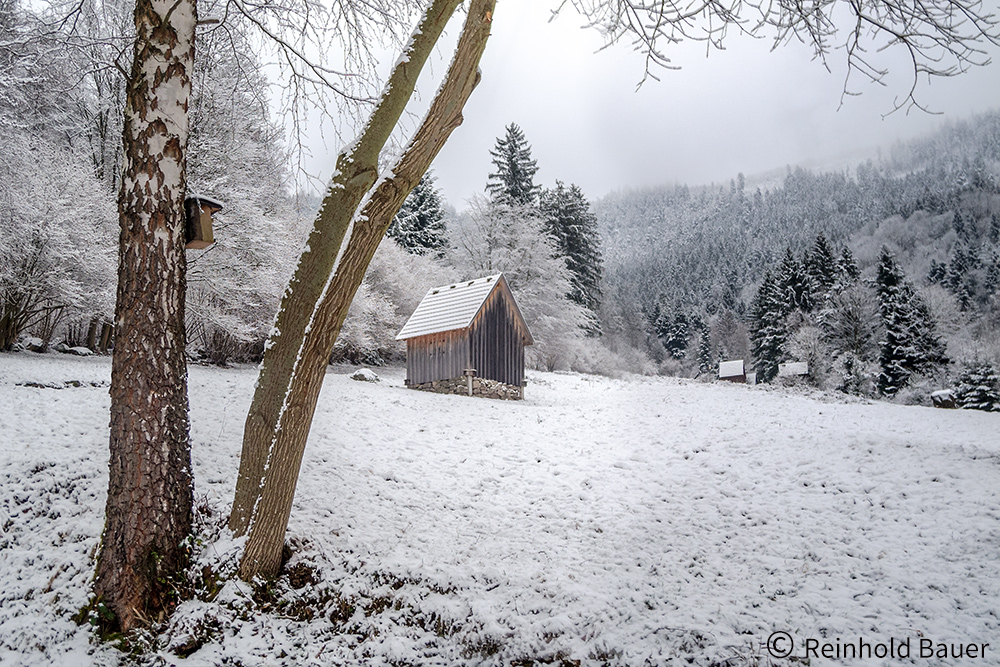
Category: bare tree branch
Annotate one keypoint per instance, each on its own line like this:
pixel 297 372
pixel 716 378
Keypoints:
pixel 941 38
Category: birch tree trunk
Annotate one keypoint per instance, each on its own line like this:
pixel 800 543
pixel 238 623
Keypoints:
pixel 150 485
pixel 290 382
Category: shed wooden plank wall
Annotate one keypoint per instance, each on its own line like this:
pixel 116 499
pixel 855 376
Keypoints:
pixel 497 345
pixel 440 356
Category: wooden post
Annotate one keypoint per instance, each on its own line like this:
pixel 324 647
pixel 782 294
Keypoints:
pixel 469 374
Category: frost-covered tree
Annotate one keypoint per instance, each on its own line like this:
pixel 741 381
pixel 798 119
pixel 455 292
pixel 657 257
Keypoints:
pixel 419 227
pixel 569 220
pixel 706 363
pixel 496 238
pixel 768 328
pixel 56 238
pixel 236 156
pixel 849 321
pixel 674 331
pixel 978 387
pixel 513 182
pixel 848 272
pixel 821 266
pixel 794 283
pixel 910 344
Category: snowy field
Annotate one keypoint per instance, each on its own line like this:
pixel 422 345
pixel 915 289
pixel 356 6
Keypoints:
pixel 628 522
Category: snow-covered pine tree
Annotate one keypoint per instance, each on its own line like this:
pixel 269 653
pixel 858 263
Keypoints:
pixel 910 345
pixel 848 272
pixel 419 227
pixel 513 181
pixel 768 329
pixel 793 284
pixel 978 387
pixel 992 275
pixel 938 272
pixel 705 361
pixel 569 220
pixel 676 334
pixel 821 267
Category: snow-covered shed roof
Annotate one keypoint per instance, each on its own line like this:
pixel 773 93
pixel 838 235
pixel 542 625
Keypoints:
pixel 451 307
pixel 793 368
pixel 730 369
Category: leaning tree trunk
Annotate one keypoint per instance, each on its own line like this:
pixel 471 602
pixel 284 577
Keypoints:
pixel 282 414
pixel 150 486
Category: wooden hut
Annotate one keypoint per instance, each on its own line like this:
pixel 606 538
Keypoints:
pixel 793 369
pixel 732 371
pixel 467 337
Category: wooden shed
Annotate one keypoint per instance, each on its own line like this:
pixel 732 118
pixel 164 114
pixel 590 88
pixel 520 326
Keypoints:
pixel 792 369
pixel 732 371
pixel 471 328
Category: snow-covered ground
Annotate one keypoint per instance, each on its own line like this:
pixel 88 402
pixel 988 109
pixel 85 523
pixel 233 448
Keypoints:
pixel 600 521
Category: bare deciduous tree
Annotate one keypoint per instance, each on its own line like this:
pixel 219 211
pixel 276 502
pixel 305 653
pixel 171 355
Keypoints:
pixel 355 214
pixel 150 488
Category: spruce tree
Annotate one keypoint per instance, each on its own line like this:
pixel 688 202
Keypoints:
pixel 705 362
pixel 419 225
pixel 937 273
pixel 821 266
pixel 910 345
pixel 794 284
pixel 992 275
pixel 979 388
pixel 570 222
pixel 676 335
pixel 768 329
pixel 848 272
pixel 513 181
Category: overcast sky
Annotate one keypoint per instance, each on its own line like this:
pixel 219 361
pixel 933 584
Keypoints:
pixel 745 109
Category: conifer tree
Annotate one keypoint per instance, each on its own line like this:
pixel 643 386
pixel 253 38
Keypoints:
pixel 958 223
pixel 768 330
pixel 513 181
pixel 848 272
pixel 821 266
pixel 910 345
pixel 979 388
pixel 419 226
pixel 937 273
pixel 992 275
pixel 705 362
pixel 794 284
pixel 570 222
pixel 676 335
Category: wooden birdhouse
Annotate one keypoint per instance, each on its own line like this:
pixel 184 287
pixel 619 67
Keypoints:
pixel 199 221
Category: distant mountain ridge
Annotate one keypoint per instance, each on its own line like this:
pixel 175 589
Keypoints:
pixel 690 245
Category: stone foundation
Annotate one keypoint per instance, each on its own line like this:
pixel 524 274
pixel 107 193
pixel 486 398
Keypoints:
pixel 480 387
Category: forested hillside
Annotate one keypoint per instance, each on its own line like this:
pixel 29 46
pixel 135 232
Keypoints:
pixel 681 261
pixel 670 280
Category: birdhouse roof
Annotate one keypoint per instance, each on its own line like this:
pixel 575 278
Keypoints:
pixel 455 306
pixel 205 202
